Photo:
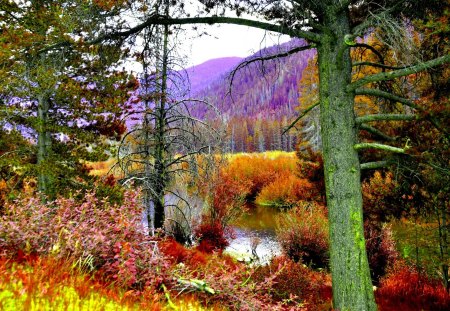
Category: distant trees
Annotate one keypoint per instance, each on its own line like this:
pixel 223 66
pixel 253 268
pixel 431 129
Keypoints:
pixel 246 134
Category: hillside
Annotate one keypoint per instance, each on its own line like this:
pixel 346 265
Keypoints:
pixel 261 100
pixel 211 70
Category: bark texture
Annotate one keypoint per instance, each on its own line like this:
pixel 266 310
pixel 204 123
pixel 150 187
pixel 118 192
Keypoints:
pixel 352 286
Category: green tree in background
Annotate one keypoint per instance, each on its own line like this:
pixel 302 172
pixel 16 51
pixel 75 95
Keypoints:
pixel 58 92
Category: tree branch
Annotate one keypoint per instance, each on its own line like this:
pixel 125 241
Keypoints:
pixel 371 48
pixel 404 101
pixel 378 65
pixel 385 117
pixel 387 95
pixel 264 58
pixel 161 20
pixel 384 76
pixel 374 165
pixel 376 132
pixel 304 113
pixel 378 146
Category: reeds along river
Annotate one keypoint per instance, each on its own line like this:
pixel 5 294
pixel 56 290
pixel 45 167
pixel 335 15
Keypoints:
pixel 254 232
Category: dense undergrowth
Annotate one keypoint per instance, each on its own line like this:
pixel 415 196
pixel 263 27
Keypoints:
pixel 85 253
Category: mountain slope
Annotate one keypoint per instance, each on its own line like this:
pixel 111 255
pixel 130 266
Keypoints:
pixel 210 70
pixel 261 100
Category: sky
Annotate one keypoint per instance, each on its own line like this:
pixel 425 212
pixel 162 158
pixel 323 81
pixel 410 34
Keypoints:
pixel 225 40
pixel 228 40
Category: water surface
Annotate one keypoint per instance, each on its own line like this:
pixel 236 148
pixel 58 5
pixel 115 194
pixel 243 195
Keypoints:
pixel 258 223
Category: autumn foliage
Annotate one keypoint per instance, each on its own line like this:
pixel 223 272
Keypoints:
pixel 93 234
pixel 53 284
pixel 296 282
pixel 303 234
pixel 287 191
pixel 406 288
pixel 257 171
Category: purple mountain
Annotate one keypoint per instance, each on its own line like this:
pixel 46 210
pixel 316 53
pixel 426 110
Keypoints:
pixel 211 70
pixel 261 99
pixel 267 89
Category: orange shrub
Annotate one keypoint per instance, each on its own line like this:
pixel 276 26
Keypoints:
pixel 286 191
pixel 258 170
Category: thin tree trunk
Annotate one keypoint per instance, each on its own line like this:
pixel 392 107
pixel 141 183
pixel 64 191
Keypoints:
pixel 441 215
pixel 160 165
pixel 352 287
pixel 44 144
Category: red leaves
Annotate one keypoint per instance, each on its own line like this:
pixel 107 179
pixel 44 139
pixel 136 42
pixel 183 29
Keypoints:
pixel 211 237
pixel 92 234
pixel 406 289
pixel 293 281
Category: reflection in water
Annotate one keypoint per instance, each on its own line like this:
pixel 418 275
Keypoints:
pixel 258 223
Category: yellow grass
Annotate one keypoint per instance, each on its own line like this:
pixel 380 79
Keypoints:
pixel 274 154
pixel 101 168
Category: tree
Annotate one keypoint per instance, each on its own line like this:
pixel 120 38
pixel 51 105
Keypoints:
pixel 330 26
pixel 165 145
pixel 57 91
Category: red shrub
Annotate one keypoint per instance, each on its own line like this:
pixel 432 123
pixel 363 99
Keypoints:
pixel 294 279
pixel 92 234
pixel 404 288
pixel 380 248
pixel 227 199
pixel 303 234
pixel 174 250
pixel 197 258
pixel 211 237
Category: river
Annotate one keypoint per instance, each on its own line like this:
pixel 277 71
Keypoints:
pixel 258 224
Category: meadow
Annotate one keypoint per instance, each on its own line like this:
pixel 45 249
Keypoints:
pixel 87 253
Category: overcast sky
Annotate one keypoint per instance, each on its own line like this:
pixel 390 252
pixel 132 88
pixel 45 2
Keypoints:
pixel 228 40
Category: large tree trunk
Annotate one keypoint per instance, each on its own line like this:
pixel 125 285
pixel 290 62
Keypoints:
pixel 352 287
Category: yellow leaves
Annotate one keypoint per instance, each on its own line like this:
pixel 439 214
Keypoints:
pixel 109 4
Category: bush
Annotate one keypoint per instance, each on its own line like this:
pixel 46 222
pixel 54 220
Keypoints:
pixel 255 171
pixel 405 288
pixel 381 251
pixel 45 283
pixel 293 279
pixel 381 197
pixel 303 234
pixel 92 234
pixel 287 190
pixel 211 237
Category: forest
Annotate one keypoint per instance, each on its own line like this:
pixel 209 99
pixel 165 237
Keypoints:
pixel 310 175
